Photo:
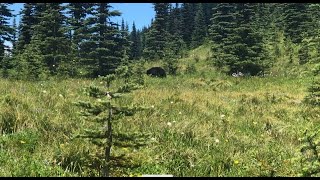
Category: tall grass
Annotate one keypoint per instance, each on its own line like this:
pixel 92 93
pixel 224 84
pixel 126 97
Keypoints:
pixel 200 124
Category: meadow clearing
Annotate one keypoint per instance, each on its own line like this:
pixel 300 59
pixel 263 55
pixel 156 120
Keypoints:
pixel 201 123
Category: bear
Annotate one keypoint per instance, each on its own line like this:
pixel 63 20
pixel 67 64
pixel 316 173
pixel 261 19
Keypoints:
pixel 157 72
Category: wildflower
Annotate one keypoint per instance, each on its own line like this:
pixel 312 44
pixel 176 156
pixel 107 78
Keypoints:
pixel 227 140
pixel 53 65
pixel 236 162
pixel 171 102
pixel 152 106
pixel 169 124
pixel 255 123
pixel 22 142
pixel 222 116
pixel 153 139
pixel 174 121
pixel 234 74
pixel 108 95
pixel 41 84
pixel 44 91
pixel 101 82
pixel 180 112
pixel 182 133
pixel 217 140
pixel 60 95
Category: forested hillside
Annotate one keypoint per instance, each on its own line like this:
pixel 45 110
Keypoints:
pixel 78 39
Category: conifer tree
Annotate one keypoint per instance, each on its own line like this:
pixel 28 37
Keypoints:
pixel 297 21
pixel 200 29
pixel 50 33
pixel 25 26
pixel 313 97
pixel 101 48
pixel 221 31
pixel 134 46
pixel 107 113
pixel 187 21
pixel 77 34
pixel 156 38
pixel 6 30
pixel 249 47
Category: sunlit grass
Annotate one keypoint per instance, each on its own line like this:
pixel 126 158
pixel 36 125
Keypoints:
pixel 201 124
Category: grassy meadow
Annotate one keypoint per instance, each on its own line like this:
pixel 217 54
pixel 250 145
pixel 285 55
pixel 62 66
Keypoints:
pixel 201 123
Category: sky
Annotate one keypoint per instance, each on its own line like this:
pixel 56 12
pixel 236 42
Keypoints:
pixel 140 13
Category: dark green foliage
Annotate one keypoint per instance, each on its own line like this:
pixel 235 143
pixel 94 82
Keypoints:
pixel 297 21
pixel 102 49
pixel 237 44
pixel 50 35
pixel 135 46
pixel 188 14
pixel 310 160
pixel 25 26
pixel 157 36
pixel 313 97
pixel 223 22
pixel 6 30
pixel 200 28
pixel 30 64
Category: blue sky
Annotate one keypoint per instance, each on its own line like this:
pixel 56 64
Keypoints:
pixel 140 13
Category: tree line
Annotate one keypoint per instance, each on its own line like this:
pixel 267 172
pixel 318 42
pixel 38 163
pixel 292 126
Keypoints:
pixel 79 39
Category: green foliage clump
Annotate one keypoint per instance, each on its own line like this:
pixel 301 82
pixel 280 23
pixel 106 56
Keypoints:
pixel 313 97
pixel 310 160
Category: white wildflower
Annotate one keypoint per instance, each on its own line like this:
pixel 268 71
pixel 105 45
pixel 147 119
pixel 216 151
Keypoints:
pixel 152 106
pixel 153 139
pixel 108 95
pixel 169 124
pixel 171 102
pixel 180 112
pixel 217 140
pixel 60 95
pixel 222 116
pixel 44 91
pixel 174 121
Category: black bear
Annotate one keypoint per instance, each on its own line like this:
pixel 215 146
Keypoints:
pixel 157 72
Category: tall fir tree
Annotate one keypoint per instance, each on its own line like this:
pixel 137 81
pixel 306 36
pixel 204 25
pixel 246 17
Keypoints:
pixel 14 34
pixel 157 35
pixel 25 26
pixel 221 32
pixel 50 33
pixel 102 49
pixel 297 21
pixel 6 30
pixel 249 47
pixel 199 31
pixel 134 46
